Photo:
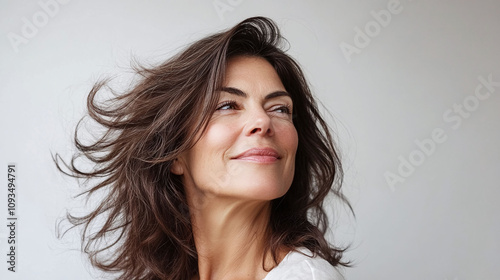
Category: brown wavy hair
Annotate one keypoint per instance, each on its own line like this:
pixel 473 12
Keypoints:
pixel 143 224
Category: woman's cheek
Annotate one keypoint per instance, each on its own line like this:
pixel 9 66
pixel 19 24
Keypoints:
pixel 221 133
pixel 288 134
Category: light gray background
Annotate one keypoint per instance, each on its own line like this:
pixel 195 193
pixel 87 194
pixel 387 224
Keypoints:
pixel 440 223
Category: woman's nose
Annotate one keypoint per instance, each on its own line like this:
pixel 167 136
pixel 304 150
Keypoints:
pixel 259 123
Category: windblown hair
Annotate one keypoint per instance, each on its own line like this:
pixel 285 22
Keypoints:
pixel 145 209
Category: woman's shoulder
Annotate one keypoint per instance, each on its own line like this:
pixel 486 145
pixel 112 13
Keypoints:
pixel 303 265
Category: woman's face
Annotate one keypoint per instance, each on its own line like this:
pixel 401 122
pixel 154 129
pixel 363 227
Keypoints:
pixel 248 150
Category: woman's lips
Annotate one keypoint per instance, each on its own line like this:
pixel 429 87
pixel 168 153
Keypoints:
pixel 259 155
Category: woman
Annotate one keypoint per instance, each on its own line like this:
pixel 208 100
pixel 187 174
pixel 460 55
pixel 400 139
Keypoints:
pixel 215 166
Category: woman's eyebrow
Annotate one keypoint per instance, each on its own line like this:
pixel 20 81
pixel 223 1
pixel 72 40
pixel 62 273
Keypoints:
pixel 241 93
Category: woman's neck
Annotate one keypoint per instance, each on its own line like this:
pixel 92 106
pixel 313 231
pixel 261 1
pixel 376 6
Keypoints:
pixel 230 237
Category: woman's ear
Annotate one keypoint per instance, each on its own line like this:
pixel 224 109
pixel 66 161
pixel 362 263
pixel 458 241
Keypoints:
pixel 177 167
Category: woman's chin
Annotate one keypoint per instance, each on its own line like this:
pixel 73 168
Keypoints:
pixel 259 190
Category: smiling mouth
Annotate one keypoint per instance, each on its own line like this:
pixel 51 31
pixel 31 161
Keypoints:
pixel 259 155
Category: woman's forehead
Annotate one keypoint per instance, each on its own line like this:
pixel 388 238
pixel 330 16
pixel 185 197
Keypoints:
pixel 250 74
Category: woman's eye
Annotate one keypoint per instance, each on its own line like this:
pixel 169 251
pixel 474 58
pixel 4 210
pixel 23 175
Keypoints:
pixel 229 105
pixel 282 109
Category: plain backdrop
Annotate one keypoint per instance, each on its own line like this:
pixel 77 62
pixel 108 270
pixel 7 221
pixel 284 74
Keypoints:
pixel 417 129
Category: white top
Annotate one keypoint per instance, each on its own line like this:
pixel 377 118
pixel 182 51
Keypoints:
pixel 296 266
